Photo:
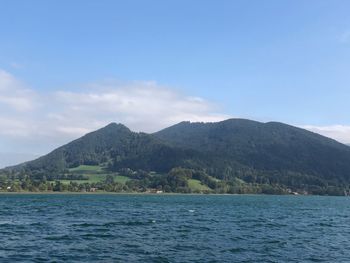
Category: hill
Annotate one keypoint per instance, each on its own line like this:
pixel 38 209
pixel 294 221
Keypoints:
pixel 239 147
pixel 235 155
pixel 113 147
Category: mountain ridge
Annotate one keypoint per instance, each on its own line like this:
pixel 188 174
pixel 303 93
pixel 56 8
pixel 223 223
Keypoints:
pixel 255 152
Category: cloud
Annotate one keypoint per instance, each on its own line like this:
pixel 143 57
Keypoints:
pixel 8 159
pixel 14 94
pixel 37 122
pixel 15 126
pixel 340 133
pixel 143 106
pixel 30 118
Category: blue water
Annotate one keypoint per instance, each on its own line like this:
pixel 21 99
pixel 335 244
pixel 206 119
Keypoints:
pixel 177 228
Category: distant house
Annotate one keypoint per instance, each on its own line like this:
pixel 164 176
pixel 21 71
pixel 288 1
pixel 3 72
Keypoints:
pixel 155 191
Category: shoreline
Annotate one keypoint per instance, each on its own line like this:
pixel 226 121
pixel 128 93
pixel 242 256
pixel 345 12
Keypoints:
pixel 113 193
pixel 150 194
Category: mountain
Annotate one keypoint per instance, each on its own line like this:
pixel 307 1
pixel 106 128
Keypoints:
pixel 264 148
pixel 114 146
pixel 236 149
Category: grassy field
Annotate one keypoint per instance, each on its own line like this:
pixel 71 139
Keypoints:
pixel 86 169
pixel 196 185
pixel 214 179
pixel 121 179
pixel 95 178
pixel 95 174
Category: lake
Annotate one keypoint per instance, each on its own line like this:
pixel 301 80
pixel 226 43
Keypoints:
pixel 173 228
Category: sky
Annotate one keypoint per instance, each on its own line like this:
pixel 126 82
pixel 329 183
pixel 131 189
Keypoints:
pixel 70 67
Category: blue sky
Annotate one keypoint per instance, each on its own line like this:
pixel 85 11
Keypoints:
pixel 285 61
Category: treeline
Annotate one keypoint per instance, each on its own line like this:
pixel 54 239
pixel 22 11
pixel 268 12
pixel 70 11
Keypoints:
pixel 233 156
pixel 176 181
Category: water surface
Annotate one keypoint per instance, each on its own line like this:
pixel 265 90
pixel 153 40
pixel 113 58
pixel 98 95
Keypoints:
pixel 174 228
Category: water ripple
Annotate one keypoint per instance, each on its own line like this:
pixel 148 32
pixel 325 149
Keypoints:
pixel 177 228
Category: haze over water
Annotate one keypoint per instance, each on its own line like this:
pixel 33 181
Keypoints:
pixel 173 228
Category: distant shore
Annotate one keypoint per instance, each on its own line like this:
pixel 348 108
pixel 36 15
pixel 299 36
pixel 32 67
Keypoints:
pixel 137 193
pixel 115 193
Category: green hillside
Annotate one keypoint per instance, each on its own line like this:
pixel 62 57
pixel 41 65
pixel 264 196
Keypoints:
pixel 235 156
pixel 263 152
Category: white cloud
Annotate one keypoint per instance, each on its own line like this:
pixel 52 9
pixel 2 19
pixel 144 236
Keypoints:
pixel 14 94
pixel 13 127
pixel 66 115
pixel 142 106
pixel 17 102
pixel 340 133
pixel 75 131
pixel 38 122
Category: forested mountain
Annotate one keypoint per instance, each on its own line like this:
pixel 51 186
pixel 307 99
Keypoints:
pixel 271 149
pixel 236 149
pixel 113 146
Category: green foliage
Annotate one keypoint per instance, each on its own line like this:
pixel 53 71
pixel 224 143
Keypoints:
pixel 233 156
pixel 86 169
pixel 197 186
pixel 121 179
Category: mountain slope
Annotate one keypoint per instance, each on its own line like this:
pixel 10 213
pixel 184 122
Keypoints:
pixel 113 146
pixel 257 153
pixel 264 147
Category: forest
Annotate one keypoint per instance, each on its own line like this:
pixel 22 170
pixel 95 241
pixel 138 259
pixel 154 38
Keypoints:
pixel 235 156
